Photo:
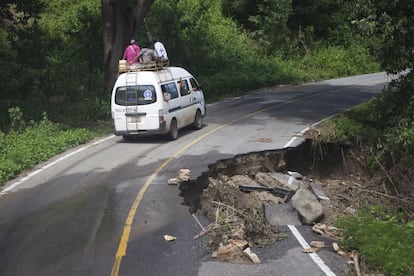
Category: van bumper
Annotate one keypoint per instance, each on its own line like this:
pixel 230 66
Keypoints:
pixel 161 130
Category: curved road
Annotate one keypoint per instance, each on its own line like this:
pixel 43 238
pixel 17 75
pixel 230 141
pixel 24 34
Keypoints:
pixel 103 208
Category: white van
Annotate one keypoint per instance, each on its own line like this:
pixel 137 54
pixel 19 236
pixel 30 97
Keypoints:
pixel 156 101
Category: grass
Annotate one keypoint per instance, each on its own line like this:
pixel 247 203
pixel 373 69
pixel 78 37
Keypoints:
pixel 32 143
pixel 384 239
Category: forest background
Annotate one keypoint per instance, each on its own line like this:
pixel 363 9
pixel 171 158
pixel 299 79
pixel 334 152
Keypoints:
pixel 52 52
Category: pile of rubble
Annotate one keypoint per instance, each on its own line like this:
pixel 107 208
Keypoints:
pixel 246 210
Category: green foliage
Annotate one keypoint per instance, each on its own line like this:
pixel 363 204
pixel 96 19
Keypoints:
pixel 51 56
pixel 384 125
pixel 333 62
pixel 16 117
pixel 35 143
pixel 392 114
pixel 228 62
pixel 395 24
pixel 270 22
pixel 384 239
pixel 355 126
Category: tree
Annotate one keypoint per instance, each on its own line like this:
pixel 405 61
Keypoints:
pixel 120 21
pixel 395 22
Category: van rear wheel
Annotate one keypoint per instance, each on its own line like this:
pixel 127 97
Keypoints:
pixel 128 137
pixel 173 134
pixel 198 120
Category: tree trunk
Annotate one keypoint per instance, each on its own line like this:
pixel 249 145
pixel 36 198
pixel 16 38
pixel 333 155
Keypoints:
pixel 119 25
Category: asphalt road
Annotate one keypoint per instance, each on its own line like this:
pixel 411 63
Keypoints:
pixel 103 208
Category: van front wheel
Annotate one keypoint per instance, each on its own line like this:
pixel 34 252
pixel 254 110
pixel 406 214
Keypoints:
pixel 198 121
pixel 173 134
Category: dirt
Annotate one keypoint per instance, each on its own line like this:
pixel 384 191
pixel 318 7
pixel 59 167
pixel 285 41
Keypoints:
pixel 339 170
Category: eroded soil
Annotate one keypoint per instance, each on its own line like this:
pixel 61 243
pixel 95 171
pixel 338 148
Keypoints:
pixel 337 169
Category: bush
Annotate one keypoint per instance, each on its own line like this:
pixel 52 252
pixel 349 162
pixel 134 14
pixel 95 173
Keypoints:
pixel 384 239
pixel 334 62
pixel 37 142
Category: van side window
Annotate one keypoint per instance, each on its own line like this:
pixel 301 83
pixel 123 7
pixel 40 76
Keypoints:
pixel 171 89
pixel 183 87
pixel 194 84
pixel 135 95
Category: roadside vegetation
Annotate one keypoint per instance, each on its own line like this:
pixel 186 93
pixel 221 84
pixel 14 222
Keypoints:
pixel 384 239
pixel 30 143
pixel 52 84
pixel 382 133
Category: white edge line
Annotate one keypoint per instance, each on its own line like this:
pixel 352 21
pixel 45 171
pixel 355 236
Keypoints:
pixel 314 256
pixel 296 137
pixel 30 175
pixel 295 231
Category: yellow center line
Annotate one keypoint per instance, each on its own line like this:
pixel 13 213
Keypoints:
pixel 122 247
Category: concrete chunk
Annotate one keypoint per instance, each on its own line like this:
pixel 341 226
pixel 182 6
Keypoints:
pixel 309 209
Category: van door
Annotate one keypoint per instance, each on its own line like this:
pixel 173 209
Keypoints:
pixel 187 101
pixel 173 101
pixel 138 101
pixel 197 96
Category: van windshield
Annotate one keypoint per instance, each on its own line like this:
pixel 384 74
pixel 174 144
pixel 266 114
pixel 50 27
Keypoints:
pixel 135 95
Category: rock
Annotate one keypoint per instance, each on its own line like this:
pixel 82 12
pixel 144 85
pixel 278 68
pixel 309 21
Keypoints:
pixel 296 175
pixel 242 244
pixel 317 244
pixel 338 249
pixel 226 252
pixel 286 180
pixel 310 250
pixel 169 238
pixel 326 230
pixel 317 191
pixel 335 247
pixel 309 209
pixel 173 181
pixel 253 257
pixel 184 175
pixel 266 180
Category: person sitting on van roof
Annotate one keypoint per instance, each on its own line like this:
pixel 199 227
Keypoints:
pixel 147 55
pixel 132 52
pixel 160 54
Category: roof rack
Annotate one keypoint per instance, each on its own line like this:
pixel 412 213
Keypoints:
pixel 124 67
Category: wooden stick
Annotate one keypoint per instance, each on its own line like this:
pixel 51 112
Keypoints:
pixel 203 232
pixel 387 175
pixel 356 263
pixel 229 207
pixel 196 219
pixel 359 187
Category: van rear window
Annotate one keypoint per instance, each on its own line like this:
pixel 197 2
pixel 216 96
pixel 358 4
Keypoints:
pixel 135 95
